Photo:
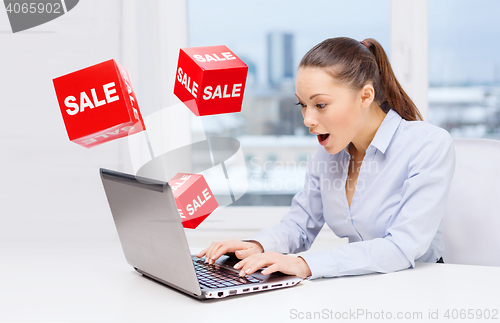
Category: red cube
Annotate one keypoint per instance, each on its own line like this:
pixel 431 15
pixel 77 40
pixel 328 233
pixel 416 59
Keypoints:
pixel 98 104
pixel 210 80
pixel 195 201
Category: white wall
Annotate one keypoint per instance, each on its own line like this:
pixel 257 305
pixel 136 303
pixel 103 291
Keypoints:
pixel 409 49
pixel 50 188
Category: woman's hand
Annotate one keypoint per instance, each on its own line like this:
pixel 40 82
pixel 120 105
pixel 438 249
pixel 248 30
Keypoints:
pixel 274 261
pixel 241 249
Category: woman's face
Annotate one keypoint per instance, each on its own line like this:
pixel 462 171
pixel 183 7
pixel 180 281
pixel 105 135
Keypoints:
pixel 331 111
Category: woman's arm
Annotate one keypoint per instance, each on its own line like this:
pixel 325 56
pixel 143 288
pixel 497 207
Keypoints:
pixel 296 231
pixel 414 225
pixel 409 232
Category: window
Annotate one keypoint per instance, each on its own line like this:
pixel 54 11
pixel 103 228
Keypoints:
pixel 272 45
pixel 464 67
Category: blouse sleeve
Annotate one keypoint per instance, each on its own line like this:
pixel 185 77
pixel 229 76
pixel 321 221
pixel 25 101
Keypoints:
pixel 414 225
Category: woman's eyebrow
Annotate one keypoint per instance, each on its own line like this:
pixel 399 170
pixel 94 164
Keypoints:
pixel 315 95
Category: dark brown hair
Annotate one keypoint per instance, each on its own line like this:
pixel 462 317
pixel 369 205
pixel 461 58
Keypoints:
pixel 359 63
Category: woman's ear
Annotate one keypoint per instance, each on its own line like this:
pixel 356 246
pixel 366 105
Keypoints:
pixel 367 95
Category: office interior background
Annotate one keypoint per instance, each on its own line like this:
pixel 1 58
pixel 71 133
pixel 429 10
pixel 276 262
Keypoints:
pixel 443 52
pixel 60 254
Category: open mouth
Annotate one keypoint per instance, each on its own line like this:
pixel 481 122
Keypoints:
pixel 323 136
pixel 323 139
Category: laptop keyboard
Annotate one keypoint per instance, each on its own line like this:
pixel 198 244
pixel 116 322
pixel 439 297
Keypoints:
pixel 213 276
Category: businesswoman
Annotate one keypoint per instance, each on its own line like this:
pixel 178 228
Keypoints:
pixel 381 176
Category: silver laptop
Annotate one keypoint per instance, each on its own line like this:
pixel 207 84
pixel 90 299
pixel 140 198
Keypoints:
pixel 154 243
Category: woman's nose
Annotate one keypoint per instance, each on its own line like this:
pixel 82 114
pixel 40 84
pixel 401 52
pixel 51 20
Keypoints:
pixel 309 118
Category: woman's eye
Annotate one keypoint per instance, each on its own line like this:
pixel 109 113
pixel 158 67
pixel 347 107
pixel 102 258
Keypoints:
pixel 320 105
pixel 301 104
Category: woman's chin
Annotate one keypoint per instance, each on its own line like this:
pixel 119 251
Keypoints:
pixel 332 150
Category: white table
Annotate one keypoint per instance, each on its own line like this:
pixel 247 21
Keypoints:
pixel 91 282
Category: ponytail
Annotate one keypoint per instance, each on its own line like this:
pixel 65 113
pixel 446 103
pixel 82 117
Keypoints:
pixel 358 63
pixel 395 96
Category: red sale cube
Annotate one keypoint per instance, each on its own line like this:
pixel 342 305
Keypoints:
pixel 195 201
pixel 98 104
pixel 210 80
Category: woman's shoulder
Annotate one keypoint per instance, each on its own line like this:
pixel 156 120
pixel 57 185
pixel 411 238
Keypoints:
pixel 418 137
pixel 418 144
pixel 421 131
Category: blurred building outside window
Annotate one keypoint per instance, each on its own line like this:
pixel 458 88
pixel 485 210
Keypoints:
pixel 464 67
pixel 464 75
pixel 270 128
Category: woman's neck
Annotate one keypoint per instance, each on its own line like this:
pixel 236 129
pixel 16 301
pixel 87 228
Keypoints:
pixel 360 143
